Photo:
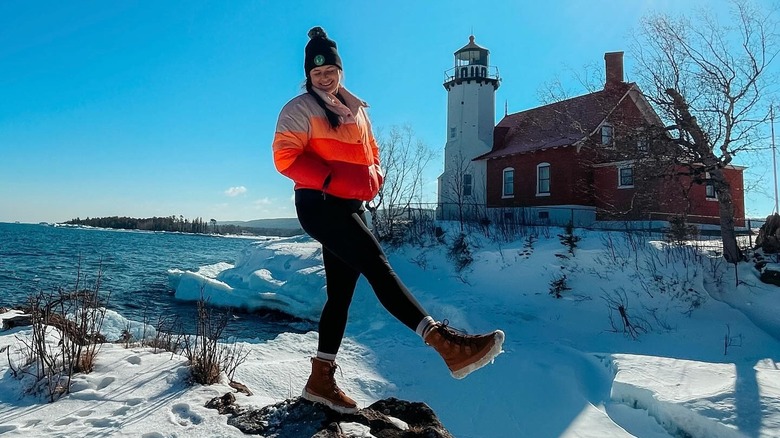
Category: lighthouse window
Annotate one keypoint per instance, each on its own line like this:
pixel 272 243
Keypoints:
pixel 464 72
pixel 453 132
pixel 466 184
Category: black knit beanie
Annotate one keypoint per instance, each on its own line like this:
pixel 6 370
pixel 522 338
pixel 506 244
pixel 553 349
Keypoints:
pixel 320 50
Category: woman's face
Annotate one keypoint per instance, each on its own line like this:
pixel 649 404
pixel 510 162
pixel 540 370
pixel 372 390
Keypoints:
pixel 325 78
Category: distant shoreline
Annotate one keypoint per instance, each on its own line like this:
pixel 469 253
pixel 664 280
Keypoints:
pixel 244 232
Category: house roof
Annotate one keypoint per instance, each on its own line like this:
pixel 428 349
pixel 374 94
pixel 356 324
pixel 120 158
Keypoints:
pixel 558 124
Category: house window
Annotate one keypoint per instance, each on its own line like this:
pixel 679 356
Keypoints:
pixel 543 179
pixel 467 184
pixel 625 177
pixel 709 189
pixel 509 183
pixel 453 132
pixel 642 145
pixel 544 215
pixel 607 134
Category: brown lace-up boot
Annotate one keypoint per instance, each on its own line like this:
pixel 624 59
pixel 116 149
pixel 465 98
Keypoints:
pixel 322 388
pixel 464 353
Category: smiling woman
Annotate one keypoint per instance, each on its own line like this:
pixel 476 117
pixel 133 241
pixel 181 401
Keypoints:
pixel 326 78
pixel 324 143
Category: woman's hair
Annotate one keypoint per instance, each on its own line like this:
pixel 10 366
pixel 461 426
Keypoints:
pixel 333 118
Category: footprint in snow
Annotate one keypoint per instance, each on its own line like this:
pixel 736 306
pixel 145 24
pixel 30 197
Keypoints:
pixel 31 423
pixel 64 421
pixel 102 422
pixel 134 360
pixel 134 401
pixel 105 382
pixel 122 411
pixel 182 415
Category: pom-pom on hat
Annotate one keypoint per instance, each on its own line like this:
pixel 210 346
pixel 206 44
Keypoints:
pixel 320 50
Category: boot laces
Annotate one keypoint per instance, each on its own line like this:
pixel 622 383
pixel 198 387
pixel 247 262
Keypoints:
pixel 332 375
pixel 456 336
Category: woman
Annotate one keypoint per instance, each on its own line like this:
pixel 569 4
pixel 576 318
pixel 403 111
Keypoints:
pixel 324 143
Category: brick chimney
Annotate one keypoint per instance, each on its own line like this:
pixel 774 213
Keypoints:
pixel 614 67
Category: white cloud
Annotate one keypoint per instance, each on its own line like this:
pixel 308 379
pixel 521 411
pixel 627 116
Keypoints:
pixel 262 202
pixel 235 191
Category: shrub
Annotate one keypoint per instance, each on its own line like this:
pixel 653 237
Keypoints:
pixel 569 239
pixel 207 355
pixel 65 338
pixel 558 285
pixel 460 253
pixel 680 231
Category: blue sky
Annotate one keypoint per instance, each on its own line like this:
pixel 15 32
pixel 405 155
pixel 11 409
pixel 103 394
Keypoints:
pixel 145 108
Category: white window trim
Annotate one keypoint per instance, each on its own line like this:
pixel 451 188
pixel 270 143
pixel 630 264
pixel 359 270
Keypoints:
pixel 633 176
pixel 601 135
pixel 503 183
pixel 549 182
pixel 470 185
pixel 642 142
pixel 706 183
pixel 643 146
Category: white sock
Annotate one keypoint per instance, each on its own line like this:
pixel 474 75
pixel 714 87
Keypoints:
pixel 425 326
pixel 326 356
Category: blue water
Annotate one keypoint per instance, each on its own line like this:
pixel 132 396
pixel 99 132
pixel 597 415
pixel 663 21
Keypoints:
pixel 134 267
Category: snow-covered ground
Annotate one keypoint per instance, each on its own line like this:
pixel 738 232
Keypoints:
pixel 703 362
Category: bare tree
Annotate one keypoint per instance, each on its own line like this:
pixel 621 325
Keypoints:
pixel 405 159
pixel 710 83
pixel 459 188
pixel 589 78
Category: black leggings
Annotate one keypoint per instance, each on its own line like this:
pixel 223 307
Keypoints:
pixel 348 250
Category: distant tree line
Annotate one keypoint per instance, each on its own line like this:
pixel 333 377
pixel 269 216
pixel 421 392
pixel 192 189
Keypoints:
pixel 179 224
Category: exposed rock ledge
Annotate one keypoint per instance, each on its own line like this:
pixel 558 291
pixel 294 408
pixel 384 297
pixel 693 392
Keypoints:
pixel 294 418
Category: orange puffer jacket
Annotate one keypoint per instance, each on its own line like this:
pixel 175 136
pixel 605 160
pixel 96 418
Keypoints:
pixel 307 149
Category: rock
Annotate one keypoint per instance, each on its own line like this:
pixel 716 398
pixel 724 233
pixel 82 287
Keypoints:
pixel 770 276
pixel 17 321
pixel 240 387
pixel 768 238
pixel 388 418
pixel 225 404
pixel 290 418
pixel 416 414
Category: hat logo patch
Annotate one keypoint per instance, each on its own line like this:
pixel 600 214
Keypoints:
pixel 319 60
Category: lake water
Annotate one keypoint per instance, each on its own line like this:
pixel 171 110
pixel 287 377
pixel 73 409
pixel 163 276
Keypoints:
pixel 134 268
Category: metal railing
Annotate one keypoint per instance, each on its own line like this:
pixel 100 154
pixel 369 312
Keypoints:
pixel 465 72
pixel 579 217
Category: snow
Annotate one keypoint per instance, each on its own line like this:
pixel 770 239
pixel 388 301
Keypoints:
pixel 703 362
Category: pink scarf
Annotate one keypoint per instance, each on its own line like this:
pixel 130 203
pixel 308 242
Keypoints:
pixel 346 112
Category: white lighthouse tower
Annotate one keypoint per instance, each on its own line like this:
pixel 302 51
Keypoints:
pixel 471 111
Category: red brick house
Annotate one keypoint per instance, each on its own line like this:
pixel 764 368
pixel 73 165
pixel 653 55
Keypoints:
pixel 588 159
